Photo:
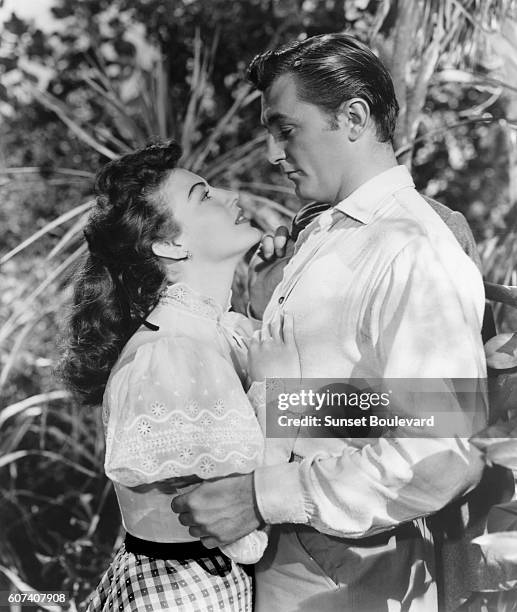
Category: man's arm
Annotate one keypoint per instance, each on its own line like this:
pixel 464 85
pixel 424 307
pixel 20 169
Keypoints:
pixel 391 480
pixel 425 324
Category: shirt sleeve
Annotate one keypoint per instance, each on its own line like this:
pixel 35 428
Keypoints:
pixel 425 321
pixel 178 409
pixel 276 450
pixel 460 228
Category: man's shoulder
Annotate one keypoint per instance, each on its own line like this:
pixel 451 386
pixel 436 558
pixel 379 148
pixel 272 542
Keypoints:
pixel 413 217
pixel 441 209
pixel 458 225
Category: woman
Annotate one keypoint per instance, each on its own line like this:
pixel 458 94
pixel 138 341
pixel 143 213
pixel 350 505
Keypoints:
pixel 152 340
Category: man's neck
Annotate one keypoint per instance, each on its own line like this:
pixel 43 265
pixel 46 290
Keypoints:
pixel 366 168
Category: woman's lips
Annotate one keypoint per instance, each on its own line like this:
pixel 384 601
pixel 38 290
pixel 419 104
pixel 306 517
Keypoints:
pixel 241 218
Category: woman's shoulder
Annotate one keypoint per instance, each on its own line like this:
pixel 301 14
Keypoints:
pixel 171 373
pixel 151 351
pixel 166 357
pixel 164 364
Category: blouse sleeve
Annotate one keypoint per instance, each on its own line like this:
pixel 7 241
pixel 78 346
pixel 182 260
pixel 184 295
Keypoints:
pixel 178 409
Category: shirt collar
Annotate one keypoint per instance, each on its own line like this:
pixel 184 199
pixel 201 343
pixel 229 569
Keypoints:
pixel 366 200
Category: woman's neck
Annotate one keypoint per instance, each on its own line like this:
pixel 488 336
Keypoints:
pixel 212 280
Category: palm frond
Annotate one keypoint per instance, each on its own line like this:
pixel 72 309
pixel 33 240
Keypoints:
pixel 53 104
pixel 198 89
pixel 72 234
pixel 62 219
pixel 15 456
pixel 20 585
pixel 20 340
pixel 224 163
pixel 125 123
pixel 31 402
pixel 24 312
pixel 242 100
pixel 72 172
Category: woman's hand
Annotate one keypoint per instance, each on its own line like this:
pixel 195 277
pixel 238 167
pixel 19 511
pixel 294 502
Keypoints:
pixel 273 352
pixel 266 268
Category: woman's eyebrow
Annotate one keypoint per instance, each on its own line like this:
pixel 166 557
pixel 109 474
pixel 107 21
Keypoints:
pixel 191 190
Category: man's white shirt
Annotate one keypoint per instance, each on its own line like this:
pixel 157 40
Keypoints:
pixel 379 288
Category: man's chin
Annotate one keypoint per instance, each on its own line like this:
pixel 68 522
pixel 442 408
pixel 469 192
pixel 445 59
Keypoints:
pixel 303 194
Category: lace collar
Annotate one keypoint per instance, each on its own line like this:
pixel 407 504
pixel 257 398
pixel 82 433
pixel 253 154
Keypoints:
pixel 183 296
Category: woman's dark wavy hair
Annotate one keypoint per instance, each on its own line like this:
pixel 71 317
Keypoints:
pixel 328 70
pixel 121 279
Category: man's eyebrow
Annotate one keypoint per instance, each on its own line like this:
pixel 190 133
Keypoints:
pixel 198 184
pixel 275 118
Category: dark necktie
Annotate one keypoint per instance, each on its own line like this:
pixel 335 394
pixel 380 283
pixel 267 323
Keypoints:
pixel 305 215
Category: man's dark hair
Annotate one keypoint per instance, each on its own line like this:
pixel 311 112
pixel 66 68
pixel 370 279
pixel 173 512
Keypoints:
pixel 328 70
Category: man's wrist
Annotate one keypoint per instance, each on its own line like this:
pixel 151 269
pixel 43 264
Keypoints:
pixel 262 522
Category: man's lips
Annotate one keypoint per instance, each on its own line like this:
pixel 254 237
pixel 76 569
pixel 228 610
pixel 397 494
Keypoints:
pixel 292 173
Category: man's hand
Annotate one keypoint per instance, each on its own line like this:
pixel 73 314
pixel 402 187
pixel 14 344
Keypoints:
pixel 219 512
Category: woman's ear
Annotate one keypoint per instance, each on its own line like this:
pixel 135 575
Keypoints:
pixel 355 114
pixel 169 250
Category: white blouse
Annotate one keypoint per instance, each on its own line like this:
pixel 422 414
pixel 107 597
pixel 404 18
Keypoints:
pixel 175 411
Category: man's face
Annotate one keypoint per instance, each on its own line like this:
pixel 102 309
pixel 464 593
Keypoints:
pixel 301 140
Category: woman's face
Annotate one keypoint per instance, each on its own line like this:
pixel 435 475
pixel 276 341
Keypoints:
pixel 213 227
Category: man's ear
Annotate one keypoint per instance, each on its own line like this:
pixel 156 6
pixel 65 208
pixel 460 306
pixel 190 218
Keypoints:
pixel 169 250
pixel 355 115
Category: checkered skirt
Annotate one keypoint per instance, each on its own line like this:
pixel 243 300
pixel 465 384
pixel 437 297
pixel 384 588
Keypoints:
pixel 137 583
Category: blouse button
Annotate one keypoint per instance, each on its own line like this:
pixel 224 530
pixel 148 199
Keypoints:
pixel 281 300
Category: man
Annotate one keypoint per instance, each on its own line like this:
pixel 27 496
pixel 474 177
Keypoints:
pixel 379 288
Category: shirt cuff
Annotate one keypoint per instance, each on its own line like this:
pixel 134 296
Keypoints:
pixel 279 494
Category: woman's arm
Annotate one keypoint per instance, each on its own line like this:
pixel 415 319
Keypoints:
pixel 178 410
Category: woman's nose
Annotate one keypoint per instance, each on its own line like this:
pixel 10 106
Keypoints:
pixel 275 153
pixel 230 197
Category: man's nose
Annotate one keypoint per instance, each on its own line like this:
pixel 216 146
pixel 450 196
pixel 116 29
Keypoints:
pixel 275 153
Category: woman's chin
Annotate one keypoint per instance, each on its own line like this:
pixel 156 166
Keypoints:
pixel 254 238
pixel 254 232
pixel 239 245
pixel 257 236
